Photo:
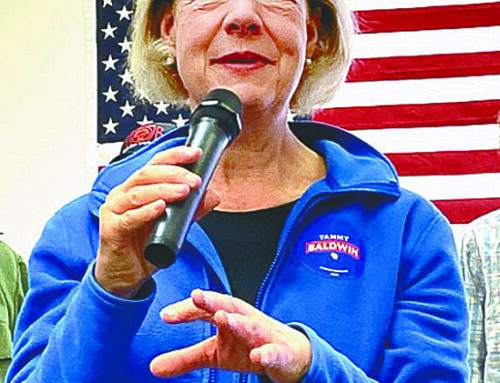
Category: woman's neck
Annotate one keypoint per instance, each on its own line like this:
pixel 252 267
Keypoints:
pixel 266 166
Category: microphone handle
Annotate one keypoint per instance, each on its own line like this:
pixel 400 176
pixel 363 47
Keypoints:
pixel 169 231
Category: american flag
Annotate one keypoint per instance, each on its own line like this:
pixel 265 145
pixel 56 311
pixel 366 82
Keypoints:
pixel 424 89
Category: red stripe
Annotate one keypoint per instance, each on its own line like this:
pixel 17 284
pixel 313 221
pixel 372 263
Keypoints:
pixel 460 211
pixel 422 67
pixel 411 115
pixel 428 18
pixel 446 163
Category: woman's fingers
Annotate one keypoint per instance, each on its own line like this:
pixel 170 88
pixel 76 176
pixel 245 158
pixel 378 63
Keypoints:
pixel 144 195
pixel 212 302
pixel 181 361
pixel 162 178
pixel 246 340
pixel 202 305
pixel 269 356
pixel 208 203
pixel 136 219
pixel 184 311
pixel 246 329
pixel 277 362
pixel 161 174
pixel 178 155
pixel 280 363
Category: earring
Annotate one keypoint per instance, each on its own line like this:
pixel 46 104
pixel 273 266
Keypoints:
pixel 170 60
pixel 309 61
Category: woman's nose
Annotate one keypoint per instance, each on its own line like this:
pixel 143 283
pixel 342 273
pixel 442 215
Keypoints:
pixel 243 18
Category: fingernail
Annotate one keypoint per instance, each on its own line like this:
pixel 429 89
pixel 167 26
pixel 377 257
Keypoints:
pixel 193 179
pixel 197 294
pixel 193 150
pixel 182 190
pixel 168 314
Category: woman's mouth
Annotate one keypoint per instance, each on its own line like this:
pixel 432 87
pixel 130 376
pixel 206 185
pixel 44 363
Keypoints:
pixel 243 60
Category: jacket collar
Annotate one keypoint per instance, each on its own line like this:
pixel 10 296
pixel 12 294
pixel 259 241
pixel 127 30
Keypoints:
pixel 352 164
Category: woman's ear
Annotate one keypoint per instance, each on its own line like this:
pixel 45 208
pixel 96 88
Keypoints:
pixel 313 26
pixel 168 29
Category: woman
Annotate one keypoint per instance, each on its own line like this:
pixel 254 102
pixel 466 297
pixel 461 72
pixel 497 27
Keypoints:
pixel 342 275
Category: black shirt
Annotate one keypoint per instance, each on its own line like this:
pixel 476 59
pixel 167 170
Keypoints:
pixel 247 243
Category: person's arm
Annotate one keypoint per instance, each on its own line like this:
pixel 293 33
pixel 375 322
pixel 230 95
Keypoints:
pixel 12 289
pixel 475 292
pixel 70 329
pixel 427 340
pixel 485 264
pixel 81 312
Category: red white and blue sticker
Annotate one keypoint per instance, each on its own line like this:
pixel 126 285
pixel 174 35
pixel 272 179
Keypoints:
pixel 333 255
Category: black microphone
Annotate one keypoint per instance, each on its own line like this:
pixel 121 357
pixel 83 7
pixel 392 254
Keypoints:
pixel 215 123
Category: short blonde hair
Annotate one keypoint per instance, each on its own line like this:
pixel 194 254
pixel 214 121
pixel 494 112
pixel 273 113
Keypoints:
pixel 156 81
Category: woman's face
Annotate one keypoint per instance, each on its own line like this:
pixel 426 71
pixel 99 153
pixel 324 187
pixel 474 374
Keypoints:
pixel 257 48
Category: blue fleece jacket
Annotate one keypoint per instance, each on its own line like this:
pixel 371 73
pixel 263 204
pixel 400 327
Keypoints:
pixel 366 269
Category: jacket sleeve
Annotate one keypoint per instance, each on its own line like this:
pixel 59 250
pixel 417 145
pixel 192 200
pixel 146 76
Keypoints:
pixel 475 287
pixel 70 329
pixel 427 340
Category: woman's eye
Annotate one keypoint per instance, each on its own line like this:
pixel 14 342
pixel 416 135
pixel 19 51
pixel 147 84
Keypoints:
pixel 279 4
pixel 204 4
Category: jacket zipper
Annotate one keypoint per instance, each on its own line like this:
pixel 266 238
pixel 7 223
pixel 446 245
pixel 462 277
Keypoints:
pixel 279 253
pixel 284 244
pixel 212 370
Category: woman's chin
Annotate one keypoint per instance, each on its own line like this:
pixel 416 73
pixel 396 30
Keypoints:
pixel 254 96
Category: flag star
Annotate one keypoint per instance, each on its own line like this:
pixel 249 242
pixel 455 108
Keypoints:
pixel 180 121
pixel 127 109
pixel 110 63
pixel 125 45
pixel 161 107
pixel 126 77
pixel 110 126
pixel 110 94
pixel 145 121
pixel 124 13
pixel 107 2
pixel 109 31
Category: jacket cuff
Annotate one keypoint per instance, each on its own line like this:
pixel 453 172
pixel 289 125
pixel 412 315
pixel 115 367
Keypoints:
pixel 327 364
pixel 317 352
pixel 110 302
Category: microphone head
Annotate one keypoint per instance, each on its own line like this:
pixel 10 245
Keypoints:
pixel 224 106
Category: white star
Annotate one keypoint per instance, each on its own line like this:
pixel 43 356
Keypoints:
pixel 291 116
pixel 110 63
pixel 107 2
pixel 161 107
pixel 125 45
pixel 110 126
pixel 124 13
pixel 109 31
pixel 127 109
pixel 110 94
pixel 180 121
pixel 145 121
pixel 126 77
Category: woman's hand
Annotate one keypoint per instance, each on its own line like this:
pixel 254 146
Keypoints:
pixel 129 211
pixel 247 340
